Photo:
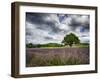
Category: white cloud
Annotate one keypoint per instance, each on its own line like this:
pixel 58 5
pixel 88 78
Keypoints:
pixel 51 17
pixel 52 30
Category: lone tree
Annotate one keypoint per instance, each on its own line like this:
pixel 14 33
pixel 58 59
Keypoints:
pixel 70 39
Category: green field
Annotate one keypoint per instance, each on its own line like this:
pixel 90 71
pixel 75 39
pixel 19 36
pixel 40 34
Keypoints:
pixel 56 45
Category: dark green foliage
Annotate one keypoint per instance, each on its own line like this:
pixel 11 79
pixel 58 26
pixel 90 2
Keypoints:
pixel 85 44
pixel 52 45
pixel 71 39
pixel 30 45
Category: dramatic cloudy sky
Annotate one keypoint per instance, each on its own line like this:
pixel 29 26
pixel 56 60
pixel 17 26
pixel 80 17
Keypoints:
pixel 51 28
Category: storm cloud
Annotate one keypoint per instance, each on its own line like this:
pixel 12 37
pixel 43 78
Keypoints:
pixel 50 27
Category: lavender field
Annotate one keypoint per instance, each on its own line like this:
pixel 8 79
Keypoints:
pixel 56 56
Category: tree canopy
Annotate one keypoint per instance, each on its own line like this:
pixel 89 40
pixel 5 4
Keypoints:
pixel 70 39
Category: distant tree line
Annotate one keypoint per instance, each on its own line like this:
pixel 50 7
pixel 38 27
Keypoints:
pixel 30 45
